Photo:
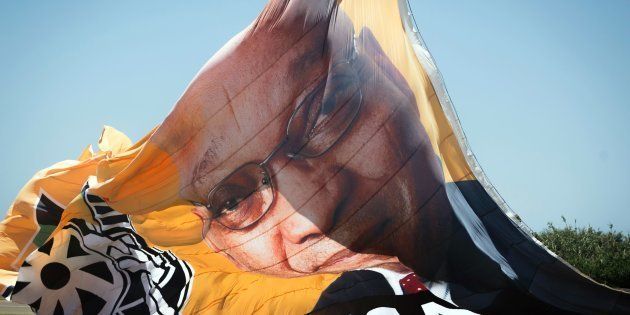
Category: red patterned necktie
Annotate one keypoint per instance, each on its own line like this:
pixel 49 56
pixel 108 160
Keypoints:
pixel 411 284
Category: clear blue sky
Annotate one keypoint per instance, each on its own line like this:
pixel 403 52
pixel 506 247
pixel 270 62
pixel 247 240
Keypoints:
pixel 542 87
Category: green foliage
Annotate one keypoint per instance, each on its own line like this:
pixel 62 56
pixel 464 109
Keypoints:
pixel 603 255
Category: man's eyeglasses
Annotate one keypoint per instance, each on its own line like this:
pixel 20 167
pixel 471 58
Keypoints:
pixel 324 116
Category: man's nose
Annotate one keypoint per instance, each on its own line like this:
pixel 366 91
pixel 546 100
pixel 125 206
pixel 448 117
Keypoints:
pixel 299 228
pixel 307 196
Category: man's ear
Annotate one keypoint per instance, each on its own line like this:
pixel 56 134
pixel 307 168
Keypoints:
pixel 370 48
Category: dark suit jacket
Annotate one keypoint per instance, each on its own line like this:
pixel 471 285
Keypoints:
pixel 359 291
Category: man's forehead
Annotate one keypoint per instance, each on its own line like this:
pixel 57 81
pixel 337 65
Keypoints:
pixel 303 25
pixel 269 78
pixel 282 63
pixel 235 96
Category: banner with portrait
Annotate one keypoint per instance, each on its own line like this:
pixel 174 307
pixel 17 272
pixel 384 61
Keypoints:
pixel 315 164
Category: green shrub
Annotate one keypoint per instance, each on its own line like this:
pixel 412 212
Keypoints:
pixel 604 256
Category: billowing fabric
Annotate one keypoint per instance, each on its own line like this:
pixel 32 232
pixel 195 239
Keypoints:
pixel 314 164
pixel 107 259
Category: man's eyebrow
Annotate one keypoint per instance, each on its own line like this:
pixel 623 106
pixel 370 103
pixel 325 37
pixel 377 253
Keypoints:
pixel 209 158
pixel 211 155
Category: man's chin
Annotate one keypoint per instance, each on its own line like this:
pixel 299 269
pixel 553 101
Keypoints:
pixel 344 260
pixel 337 263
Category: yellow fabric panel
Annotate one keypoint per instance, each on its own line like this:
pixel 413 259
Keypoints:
pixel 113 140
pixel 86 153
pixel 171 227
pixel 7 277
pixel 150 183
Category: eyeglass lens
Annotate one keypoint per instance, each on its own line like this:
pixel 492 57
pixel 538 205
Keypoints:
pixel 243 197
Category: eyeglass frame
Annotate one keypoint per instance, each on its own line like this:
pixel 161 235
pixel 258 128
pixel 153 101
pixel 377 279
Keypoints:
pixel 264 164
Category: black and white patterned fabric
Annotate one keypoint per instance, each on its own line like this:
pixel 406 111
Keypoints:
pixel 102 268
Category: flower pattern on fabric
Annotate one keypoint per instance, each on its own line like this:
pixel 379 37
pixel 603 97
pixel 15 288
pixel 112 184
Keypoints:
pixel 102 268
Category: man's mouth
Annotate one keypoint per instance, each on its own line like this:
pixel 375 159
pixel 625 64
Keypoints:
pixel 355 254
pixel 337 259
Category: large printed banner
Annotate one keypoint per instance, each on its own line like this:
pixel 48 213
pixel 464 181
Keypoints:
pixel 313 165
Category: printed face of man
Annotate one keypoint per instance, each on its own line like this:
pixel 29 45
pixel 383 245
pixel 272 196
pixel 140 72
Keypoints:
pixel 313 157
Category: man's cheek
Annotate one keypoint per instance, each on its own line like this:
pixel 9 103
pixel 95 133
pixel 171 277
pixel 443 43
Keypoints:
pixel 259 253
pixel 380 157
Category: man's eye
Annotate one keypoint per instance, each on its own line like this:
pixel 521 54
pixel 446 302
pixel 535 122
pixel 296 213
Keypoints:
pixel 318 124
pixel 333 97
pixel 304 118
pixel 339 89
pixel 227 198
pixel 242 197
pixel 230 205
pixel 246 210
pixel 320 107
